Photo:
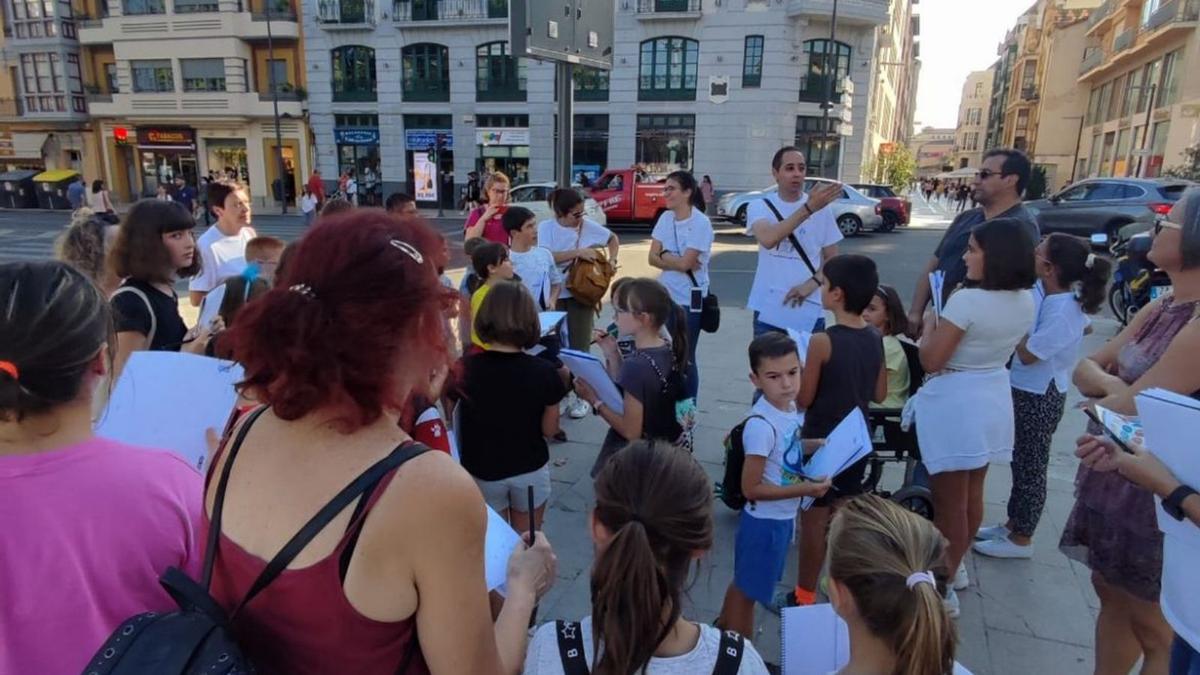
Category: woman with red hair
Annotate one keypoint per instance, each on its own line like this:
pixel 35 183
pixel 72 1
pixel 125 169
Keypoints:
pixel 334 352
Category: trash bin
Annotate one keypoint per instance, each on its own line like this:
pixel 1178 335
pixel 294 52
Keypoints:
pixel 17 190
pixel 52 188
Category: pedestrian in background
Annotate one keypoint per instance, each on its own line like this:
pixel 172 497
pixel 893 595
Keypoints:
pixel 77 193
pixel 485 221
pixel 99 202
pixel 185 195
pixel 316 187
pixel 222 247
pixel 708 191
pixel 85 245
pixel 308 205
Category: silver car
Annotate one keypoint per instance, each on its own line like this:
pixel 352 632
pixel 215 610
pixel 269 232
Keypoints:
pixel 1117 207
pixel 533 196
pixel 853 211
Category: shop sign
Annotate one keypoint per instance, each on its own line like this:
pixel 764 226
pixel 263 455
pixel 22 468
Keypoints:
pixel 424 139
pixel 174 137
pixel 356 136
pixel 501 136
pixel 121 136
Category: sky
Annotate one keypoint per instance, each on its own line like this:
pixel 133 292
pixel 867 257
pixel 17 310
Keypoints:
pixel 957 37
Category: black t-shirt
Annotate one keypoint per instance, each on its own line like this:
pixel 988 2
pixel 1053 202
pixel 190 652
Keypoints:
pixel 954 243
pixel 848 378
pixel 502 399
pixel 131 315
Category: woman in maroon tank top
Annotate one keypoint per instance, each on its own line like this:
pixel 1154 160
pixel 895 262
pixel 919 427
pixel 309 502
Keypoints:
pixel 395 583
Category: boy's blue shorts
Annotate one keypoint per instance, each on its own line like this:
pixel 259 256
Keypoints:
pixel 759 554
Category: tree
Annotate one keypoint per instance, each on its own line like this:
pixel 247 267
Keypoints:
pixel 897 168
pixel 1037 183
pixel 1190 169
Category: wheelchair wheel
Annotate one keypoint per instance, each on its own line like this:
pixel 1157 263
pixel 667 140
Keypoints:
pixel 917 499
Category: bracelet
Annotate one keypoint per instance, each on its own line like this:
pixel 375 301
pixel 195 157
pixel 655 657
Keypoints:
pixel 808 208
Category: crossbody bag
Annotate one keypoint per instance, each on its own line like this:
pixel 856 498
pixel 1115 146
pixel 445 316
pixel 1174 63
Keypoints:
pixel 792 238
pixel 709 306
pixel 574 661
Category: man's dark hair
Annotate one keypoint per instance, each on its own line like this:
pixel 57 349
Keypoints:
pixel 777 160
pixel 856 276
pixel 515 218
pixel 397 200
pixel 1016 163
pixel 219 191
pixel 1008 263
pixel 771 345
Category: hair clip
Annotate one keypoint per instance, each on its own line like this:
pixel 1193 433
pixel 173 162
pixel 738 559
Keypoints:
pixel 408 249
pixel 920 578
pixel 1091 261
pixel 305 290
pixel 10 368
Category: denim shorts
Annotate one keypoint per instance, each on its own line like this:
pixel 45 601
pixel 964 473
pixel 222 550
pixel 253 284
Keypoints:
pixel 1184 659
pixel 513 492
pixel 760 552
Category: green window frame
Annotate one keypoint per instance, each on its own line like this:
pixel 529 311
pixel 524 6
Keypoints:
pixel 353 69
pixel 425 72
pixel 814 85
pixel 667 69
pixel 499 76
pixel 752 61
pixel 591 84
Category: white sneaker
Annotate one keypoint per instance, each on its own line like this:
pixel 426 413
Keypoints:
pixel 950 602
pixel 1003 548
pixel 993 532
pixel 578 409
pixel 961 580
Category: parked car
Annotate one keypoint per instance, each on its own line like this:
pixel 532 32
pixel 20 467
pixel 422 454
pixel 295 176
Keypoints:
pixel 854 211
pixel 533 196
pixel 1117 207
pixel 896 209
pixel 630 195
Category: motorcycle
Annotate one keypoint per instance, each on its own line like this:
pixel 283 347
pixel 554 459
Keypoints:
pixel 1136 281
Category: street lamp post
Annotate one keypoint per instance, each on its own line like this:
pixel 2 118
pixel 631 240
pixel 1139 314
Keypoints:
pixel 1143 165
pixel 1078 140
pixel 275 106
pixel 830 74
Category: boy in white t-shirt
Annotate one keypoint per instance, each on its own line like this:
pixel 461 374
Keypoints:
pixel 771 481
pixel 533 263
pixel 223 246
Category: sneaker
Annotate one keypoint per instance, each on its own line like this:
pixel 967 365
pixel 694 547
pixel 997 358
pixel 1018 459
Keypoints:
pixel 1003 548
pixel 950 602
pixel 578 409
pixel 961 580
pixel 785 599
pixel 993 532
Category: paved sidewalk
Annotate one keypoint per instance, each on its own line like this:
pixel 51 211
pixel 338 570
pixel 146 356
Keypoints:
pixel 1018 617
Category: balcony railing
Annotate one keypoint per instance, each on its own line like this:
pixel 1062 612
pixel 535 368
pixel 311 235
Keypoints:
pixel 346 11
pixel 1174 11
pixel 11 107
pixel 1092 58
pixel 281 10
pixel 1029 94
pixel 405 11
pixel 1099 13
pixel 426 90
pixel 1124 40
pixel 291 95
pixel 652 6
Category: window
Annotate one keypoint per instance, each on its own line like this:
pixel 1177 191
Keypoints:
pixel 1169 91
pixel 1158 148
pixel 1114 101
pixel 202 74
pixel 1152 73
pixel 825 59
pixel 425 71
pixel 278 76
pixel 356 121
pixel 1121 158
pixel 143 7
pixel 42 76
pixel 752 61
pixel 1107 190
pixel 820 149
pixel 1105 100
pixel 1137 98
pixel 353 73
pixel 110 78
pixel 1093 100
pixel 665 143
pixel 1127 94
pixel 33 18
pixel 590 147
pixel 591 84
pixel 1078 193
pixel 195 6
pixel 153 75
pixel 498 75
pixel 667 69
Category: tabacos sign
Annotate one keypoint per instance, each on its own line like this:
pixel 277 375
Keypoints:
pixel 177 136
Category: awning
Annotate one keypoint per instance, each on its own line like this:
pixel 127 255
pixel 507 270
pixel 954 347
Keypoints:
pixel 28 145
pixel 55 175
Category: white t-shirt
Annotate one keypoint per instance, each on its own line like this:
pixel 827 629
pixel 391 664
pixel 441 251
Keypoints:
pixel 676 236
pixel 557 238
pixel 994 322
pixel 1055 340
pixel 351 187
pixel 537 271
pixel 958 670
pixel 543 657
pixel 781 268
pixel 223 257
pixel 774 439
pixel 308 203
pixel 1180 589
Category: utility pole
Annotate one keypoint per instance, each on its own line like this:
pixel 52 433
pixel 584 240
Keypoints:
pixel 830 75
pixel 1078 141
pixel 275 105
pixel 1143 165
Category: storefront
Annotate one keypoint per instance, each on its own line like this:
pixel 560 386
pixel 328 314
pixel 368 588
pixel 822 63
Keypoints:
pixel 429 156
pixel 503 145
pixel 357 140
pixel 20 150
pixel 166 152
pixel 666 143
pixel 589 153
pixel 228 155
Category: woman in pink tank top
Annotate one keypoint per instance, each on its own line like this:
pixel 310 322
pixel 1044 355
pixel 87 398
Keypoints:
pixel 396 582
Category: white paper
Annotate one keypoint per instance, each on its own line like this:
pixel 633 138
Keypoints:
pixel 591 370
pixel 550 319
pixel 801 318
pixel 168 400
pixel 849 442
pixel 211 305
pixel 1172 423
pixel 498 545
pixel 801 339
pixel 815 640
pixel 937 285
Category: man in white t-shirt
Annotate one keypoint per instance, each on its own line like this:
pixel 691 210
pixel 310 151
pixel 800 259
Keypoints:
pixel 787 291
pixel 223 246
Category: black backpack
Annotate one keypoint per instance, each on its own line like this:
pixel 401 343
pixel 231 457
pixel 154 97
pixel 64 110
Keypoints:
pixel 574 662
pixel 729 490
pixel 198 639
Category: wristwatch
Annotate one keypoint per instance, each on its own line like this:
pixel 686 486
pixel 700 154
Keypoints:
pixel 1173 504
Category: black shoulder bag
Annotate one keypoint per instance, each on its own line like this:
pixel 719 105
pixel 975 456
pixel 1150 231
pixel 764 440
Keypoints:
pixel 710 307
pixel 792 238
pixel 574 662
pixel 198 639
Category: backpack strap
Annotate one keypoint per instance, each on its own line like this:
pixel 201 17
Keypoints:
pixel 214 523
pixel 792 238
pixel 570 647
pixel 313 527
pixel 149 309
pixel 729 654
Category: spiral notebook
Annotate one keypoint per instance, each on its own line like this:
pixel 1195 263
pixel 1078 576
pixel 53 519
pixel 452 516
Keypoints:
pixel 815 640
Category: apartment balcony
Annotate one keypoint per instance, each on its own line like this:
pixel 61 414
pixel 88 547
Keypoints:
pixel 231 21
pixel 850 12
pixel 1093 58
pixel 1030 94
pixel 449 13
pixel 1124 40
pixel 1173 20
pixel 346 14
pixel 1173 15
pixel 10 108
pixel 650 10
pixel 1099 17
pixel 195 105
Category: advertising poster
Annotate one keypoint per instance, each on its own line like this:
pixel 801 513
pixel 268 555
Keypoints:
pixel 424 178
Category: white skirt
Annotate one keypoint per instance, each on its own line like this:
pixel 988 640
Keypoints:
pixel 965 420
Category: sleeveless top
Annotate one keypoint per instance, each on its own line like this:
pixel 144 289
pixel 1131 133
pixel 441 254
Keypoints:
pixel 848 378
pixel 303 623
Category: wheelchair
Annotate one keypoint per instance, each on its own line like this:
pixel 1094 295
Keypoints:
pixel 893 445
